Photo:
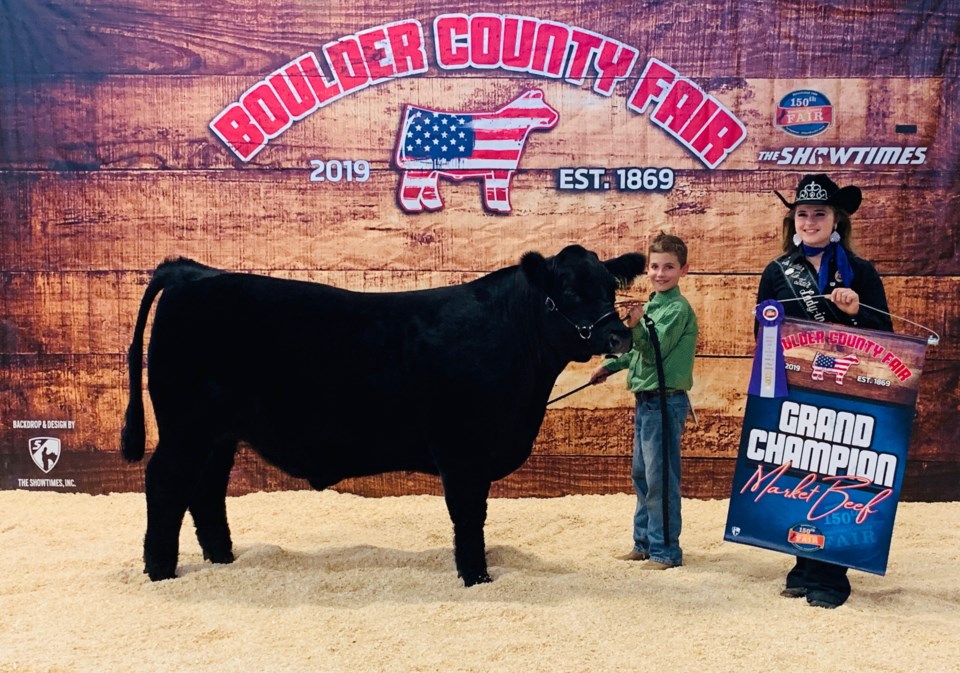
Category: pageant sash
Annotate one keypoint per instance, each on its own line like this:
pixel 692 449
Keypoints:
pixel 805 286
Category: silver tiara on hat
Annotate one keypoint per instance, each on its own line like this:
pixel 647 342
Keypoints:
pixel 817 189
pixel 812 192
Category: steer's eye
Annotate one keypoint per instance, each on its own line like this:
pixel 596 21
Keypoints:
pixel 570 297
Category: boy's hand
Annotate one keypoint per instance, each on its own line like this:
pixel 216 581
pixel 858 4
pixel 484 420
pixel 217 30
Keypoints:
pixel 599 375
pixel 846 300
pixel 633 315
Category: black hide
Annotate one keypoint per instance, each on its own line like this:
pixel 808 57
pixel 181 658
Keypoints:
pixel 327 384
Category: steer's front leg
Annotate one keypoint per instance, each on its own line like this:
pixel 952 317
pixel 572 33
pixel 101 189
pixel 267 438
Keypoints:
pixel 466 498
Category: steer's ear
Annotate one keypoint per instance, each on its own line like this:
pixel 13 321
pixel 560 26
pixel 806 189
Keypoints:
pixel 535 268
pixel 626 267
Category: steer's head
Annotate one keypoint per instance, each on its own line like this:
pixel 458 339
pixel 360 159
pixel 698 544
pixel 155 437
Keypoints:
pixel 579 299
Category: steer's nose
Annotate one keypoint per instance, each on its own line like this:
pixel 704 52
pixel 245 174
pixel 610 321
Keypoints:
pixel 619 342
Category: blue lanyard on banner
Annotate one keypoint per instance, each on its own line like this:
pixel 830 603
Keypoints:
pixel 932 340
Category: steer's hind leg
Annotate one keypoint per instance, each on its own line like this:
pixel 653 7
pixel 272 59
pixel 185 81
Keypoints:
pixel 208 505
pixel 168 484
pixel 466 499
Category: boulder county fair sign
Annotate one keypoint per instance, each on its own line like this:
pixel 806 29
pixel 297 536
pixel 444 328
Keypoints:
pixel 483 41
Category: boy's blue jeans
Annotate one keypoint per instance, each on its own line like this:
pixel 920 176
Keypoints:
pixel 648 521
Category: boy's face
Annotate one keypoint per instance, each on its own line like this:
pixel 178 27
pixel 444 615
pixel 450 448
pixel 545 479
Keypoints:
pixel 664 270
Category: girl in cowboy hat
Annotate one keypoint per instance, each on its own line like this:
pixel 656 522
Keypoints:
pixel 828 283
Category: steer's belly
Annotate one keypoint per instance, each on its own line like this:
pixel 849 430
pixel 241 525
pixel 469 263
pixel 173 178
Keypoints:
pixel 331 460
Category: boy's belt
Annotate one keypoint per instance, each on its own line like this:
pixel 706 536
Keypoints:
pixel 645 395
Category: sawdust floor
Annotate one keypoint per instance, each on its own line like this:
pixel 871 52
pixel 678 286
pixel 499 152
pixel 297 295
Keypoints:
pixel 335 582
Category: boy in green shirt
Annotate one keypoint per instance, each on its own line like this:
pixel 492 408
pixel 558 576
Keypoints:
pixel 656 521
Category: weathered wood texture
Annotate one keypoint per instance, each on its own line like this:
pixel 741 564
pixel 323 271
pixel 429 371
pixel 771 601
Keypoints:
pixel 93 312
pixel 584 436
pixel 161 122
pixel 718 39
pixel 278 220
pixel 542 476
pixel 107 166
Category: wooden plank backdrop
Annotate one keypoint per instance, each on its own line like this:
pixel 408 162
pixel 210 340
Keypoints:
pixel 108 165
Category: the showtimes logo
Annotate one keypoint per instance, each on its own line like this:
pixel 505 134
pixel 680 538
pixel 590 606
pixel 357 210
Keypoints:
pixel 842 156
pixel 46 483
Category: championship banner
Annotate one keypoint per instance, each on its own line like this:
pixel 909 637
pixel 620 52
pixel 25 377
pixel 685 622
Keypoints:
pixel 820 466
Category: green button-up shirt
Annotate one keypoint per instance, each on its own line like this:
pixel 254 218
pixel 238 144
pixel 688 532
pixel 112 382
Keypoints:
pixel 677 330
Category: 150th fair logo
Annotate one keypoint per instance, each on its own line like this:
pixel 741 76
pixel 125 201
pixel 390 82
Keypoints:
pixel 457 142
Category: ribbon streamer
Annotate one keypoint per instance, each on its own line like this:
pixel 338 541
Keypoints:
pixel 769 376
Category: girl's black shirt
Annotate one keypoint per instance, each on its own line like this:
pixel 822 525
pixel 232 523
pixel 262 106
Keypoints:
pixel 775 284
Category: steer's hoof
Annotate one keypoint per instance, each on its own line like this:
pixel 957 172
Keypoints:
pixel 158 573
pixel 219 557
pixel 469 579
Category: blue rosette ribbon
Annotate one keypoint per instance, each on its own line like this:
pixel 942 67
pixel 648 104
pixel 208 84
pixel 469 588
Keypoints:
pixel 769 376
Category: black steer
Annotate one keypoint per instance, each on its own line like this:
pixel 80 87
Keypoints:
pixel 328 384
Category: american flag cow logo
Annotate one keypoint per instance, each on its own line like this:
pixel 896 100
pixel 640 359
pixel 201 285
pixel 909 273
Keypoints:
pixel 484 145
pixel 825 364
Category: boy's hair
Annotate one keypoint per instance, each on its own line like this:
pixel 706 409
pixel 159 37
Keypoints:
pixel 665 242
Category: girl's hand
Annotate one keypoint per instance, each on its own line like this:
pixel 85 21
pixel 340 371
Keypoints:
pixel 846 300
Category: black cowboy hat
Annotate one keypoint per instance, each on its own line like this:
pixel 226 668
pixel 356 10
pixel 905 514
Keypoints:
pixel 820 190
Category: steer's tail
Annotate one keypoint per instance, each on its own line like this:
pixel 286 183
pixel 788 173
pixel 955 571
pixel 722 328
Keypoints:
pixel 169 273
